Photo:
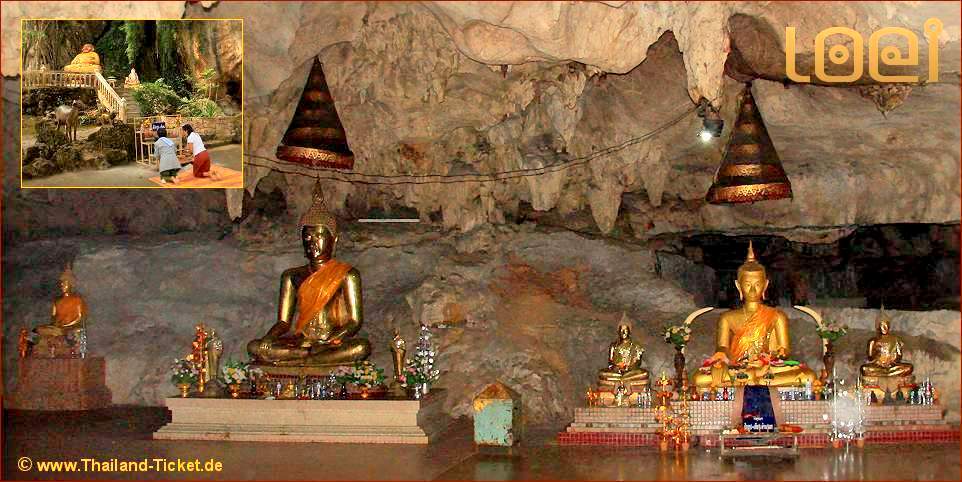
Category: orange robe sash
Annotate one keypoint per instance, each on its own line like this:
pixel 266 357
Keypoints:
pixel 753 332
pixel 69 310
pixel 317 290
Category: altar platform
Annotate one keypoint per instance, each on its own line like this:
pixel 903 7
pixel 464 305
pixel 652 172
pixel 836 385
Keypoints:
pixel 885 424
pixel 388 421
pixel 56 384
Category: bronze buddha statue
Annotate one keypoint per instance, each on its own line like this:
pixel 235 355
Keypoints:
pixel 752 340
pixel 885 371
pixel 320 304
pixel 624 363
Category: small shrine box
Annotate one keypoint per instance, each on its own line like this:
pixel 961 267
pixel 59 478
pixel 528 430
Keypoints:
pixel 497 416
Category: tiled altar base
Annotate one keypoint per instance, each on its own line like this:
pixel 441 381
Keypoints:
pixel 60 384
pixel 637 427
pixel 345 421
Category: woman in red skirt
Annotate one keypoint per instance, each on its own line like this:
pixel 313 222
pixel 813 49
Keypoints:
pixel 201 159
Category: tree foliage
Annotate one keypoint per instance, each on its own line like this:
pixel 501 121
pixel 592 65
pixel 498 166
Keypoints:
pixel 157 98
pixel 112 48
pixel 134 36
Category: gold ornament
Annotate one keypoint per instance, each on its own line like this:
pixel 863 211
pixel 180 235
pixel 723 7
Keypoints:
pixel 318 215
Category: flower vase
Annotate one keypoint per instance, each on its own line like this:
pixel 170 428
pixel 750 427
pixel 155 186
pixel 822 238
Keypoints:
pixel 828 360
pixel 415 392
pixel 184 389
pixel 234 389
pixel 680 375
pixel 425 388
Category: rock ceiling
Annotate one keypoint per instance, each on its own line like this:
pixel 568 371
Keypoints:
pixel 420 88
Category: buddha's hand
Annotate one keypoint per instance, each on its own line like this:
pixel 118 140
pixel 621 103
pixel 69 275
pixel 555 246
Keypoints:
pixel 718 358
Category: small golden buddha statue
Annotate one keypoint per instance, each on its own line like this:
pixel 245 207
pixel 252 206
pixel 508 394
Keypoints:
pixel 624 363
pixel 69 310
pixel 885 358
pixel 67 316
pixel 752 340
pixel 320 307
pixel 86 62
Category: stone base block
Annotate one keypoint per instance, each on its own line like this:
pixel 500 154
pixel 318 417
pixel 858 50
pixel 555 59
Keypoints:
pixel 60 384
pixel 393 421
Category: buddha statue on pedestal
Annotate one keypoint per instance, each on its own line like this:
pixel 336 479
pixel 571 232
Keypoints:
pixel 624 364
pixel 132 80
pixel 67 317
pixel 752 341
pixel 86 62
pixel 885 371
pixel 319 310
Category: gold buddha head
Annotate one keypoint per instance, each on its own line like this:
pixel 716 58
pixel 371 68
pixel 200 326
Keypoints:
pixel 318 229
pixel 87 48
pixel 67 280
pixel 624 328
pixel 882 322
pixel 752 281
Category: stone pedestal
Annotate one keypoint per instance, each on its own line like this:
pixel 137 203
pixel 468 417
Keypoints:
pixel 397 421
pixel 60 384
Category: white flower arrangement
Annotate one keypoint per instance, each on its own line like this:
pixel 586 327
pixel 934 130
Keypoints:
pixel 235 372
pixel 678 335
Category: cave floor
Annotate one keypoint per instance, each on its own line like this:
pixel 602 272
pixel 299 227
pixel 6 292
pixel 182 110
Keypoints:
pixel 132 174
pixel 124 433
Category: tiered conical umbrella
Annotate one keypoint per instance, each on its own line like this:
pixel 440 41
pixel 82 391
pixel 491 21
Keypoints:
pixel 750 170
pixel 316 136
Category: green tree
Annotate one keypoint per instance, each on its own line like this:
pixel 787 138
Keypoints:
pixel 135 34
pixel 112 47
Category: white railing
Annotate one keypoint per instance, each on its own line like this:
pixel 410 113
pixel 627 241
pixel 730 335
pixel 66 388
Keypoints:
pixel 106 94
pixel 109 97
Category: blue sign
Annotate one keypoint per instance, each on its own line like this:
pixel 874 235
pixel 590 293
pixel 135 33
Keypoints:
pixel 758 415
pixel 157 125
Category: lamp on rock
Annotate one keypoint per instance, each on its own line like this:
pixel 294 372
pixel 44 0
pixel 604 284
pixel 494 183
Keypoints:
pixel 316 136
pixel 750 170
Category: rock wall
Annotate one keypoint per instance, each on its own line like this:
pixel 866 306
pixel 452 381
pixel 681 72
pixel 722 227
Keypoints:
pixel 533 308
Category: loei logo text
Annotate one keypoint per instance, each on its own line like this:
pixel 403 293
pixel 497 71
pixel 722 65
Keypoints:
pixel 890 55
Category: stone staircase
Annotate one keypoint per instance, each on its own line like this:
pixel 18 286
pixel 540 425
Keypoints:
pixel 133 108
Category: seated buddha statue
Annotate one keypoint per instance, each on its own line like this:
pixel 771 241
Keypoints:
pixel 66 317
pixel 86 62
pixel 885 365
pixel 132 80
pixel 624 363
pixel 319 310
pixel 752 341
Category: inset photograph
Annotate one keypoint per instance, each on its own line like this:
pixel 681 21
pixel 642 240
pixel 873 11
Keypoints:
pixel 132 103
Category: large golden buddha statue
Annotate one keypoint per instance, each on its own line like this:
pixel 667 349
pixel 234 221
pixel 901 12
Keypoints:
pixel 86 62
pixel 624 363
pixel 752 341
pixel 319 310
pixel 885 368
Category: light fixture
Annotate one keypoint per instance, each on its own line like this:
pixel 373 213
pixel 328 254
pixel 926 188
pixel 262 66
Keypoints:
pixel 751 170
pixel 315 136
pixel 712 123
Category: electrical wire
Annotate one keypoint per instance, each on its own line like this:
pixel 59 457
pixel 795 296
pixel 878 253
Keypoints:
pixel 402 179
